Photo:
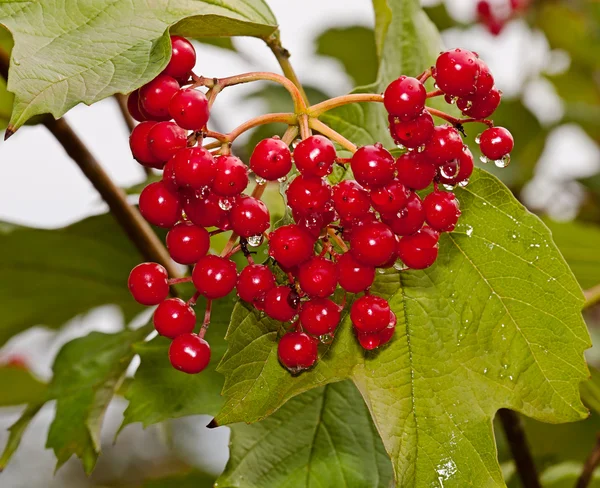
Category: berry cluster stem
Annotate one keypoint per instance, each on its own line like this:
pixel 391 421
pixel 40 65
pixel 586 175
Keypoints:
pixel 321 108
pixel 206 321
pixel 456 121
pixel 335 136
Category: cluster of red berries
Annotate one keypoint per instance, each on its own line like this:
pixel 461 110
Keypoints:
pixel 341 233
pixel 496 14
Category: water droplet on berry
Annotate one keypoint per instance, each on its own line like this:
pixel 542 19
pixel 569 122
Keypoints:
pixel 326 338
pixel 401 147
pixel 421 148
pixel 260 181
pixel 483 159
pixel 463 183
pixel 503 162
pixel 255 241
pixel 225 204
pixel 448 187
pixel 296 142
pixel 399 266
pixel 283 179
pixel 478 138
pixel 450 170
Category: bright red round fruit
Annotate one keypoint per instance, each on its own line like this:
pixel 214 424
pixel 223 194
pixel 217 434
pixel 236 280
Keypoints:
pixel 159 206
pixel 370 314
pixel 249 217
pixel 445 144
pixel 480 106
pixel 187 242
pixel 350 199
pixel 189 353
pixel 205 212
pixel 133 106
pixel 373 243
pixel 456 72
pixel 156 95
pixel 271 159
pixel 189 109
pixel 415 170
pixel 496 142
pixel 354 276
pixel 318 277
pixel 315 156
pixel 291 245
pixel 457 170
pixel 405 98
pixel 319 316
pixel 231 176
pixel 148 283
pixel 373 166
pixel 140 146
pixel 315 222
pixel 485 80
pixel 253 283
pixel 297 351
pixel 419 250
pixel 390 198
pixel 174 317
pixel 370 341
pixel 441 210
pixel 165 139
pixel 194 167
pixel 183 57
pixel 410 219
pixel 214 276
pixel 281 303
pixel 308 194
pixel 412 133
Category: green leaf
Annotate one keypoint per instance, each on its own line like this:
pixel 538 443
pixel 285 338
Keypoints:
pixel 119 45
pixel 16 432
pixel 324 437
pixel 19 386
pixel 193 479
pixel 87 372
pixel 6 98
pixel 222 42
pixel 50 276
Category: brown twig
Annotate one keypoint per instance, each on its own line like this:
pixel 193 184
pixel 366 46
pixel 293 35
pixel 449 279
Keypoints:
pixel 592 296
pixel 591 463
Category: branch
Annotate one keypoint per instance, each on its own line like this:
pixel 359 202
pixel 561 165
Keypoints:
pixel 332 103
pixel 515 435
pixel 591 463
pixel 332 134
pixel 592 296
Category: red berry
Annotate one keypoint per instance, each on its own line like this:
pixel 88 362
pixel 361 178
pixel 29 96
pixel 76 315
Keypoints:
pixel 159 206
pixel 441 210
pixel 419 250
pixel 156 95
pixel 281 303
pixel 231 176
pixel 315 156
pixel 183 57
pixel 373 166
pixel 320 316
pixel 249 217
pixel 390 198
pixel 412 133
pixel 189 353
pixel 456 72
pixel 133 106
pixel 370 314
pixel 370 341
pixel 315 222
pixel 187 242
pixel 485 80
pixel 496 142
pixel 373 244
pixel 271 159
pixel 308 194
pixel 480 106
pixel 140 147
pixel 214 276
pixel 168 176
pixel 189 108
pixel 445 144
pixel 318 277
pixel 415 170
pixel 174 317
pixel 165 139
pixel 148 283
pixel 350 199
pixel 205 212
pixel 457 170
pixel 193 167
pixel 354 276
pixel 405 97
pixel 291 245
pixel 409 219
pixel 297 351
pixel 253 283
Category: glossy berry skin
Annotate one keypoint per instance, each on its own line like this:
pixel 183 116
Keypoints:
pixel 253 283
pixel 174 317
pixel 419 250
pixel 159 206
pixel 308 194
pixel 496 142
pixel 148 283
pixel 415 170
pixel 249 217
pixel 390 198
pixel 318 277
pixel 297 351
pixel 354 276
pixel 165 139
pixel 457 170
pixel 441 210
pixel 315 222
pixel 350 199
pixel 456 72
pixel 183 57
pixel 189 109
pixel 156 95
pixel 370 314
pixel 189 353
pixel 445 144
pixel 133 107
pixel 214 276
pixel 205 212
pixel 412 133
pixel 140 146
pixel 231 176
pixel 271 159
pixel 280 303
pixel 194 167
pixel 187 242
pixel 485 80
pixel 319 316
pixel 314 156
pixel 291 245
pixel 405 98
pixel 373 166
pixel 480 106
pixel 410 219
pixel 373 244
pixel 374 340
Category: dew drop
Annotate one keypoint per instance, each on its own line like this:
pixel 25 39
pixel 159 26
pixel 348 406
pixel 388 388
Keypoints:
pixel 326 338
pixel 225 204
pixel 401 147
pixel 478 138
pixel 255 241
pixel 463 183
pixel 483 159
pixel 260 181
pixel 469 231
pixel 283 179
pixel 503 162
pixel 448 187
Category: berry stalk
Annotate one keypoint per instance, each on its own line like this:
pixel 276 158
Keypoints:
pixel 327 131
pixel 321 108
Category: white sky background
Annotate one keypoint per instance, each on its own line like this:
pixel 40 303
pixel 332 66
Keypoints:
pixel 40 186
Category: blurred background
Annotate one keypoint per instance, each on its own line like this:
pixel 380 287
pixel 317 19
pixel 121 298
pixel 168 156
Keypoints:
pixel 545 57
